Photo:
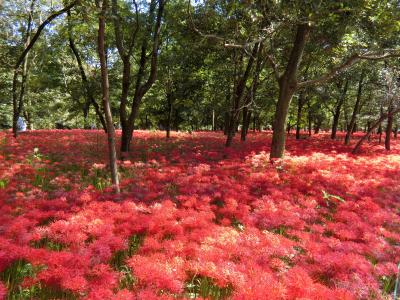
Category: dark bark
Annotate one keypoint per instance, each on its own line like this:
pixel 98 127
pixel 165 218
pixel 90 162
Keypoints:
pixel 21 58
pixel 317 125
pixel 237 97
pixel 88 91
pixel 226 123
pixel 389 127
pixel 338 109
pixel 106 95
pixel 18 104
pixel 246 125
pixel 309 119
pixel 250 97
pixel 287 87
pixel 355 110
pixel 245 114
pixel 169 117
pixel 141 88
pixel 300 105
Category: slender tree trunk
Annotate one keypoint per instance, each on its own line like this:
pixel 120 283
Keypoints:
pixel 246 125
pixel 28 118
pixel 309 120
pixel 237 97
pixel 226 123
pixel 355 110
pixel 18 105
pixel 251 94
pixel 300 105
pixel 338 109
pixel 85 116
pixel 375 125
pixel 153 29
pixel 380 130
pixel 389 127
pixel 169 102
pixel 106 95
pixel 287 87
pixel 317 125
pixel 88 91
pixel 368 128
pixel 22 57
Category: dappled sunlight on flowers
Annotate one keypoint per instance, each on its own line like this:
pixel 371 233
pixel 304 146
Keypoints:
pixel 319 224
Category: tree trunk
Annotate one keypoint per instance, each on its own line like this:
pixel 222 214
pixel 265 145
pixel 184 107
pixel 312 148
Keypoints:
pixel 106 96
pixel 246 125
pixel 251 94
pixel 287 87
pixel 338 109
pixel 237 97
pixel 28 119
pixel 89 94
pixel 355 110
pixel 22 57
pixel 169 117
pixel 300 105
pixel 317 125
pixel 309 120
pixel 126 138
pixel 375 125
pixel 142 86
pixel 389 127
pixel 18 105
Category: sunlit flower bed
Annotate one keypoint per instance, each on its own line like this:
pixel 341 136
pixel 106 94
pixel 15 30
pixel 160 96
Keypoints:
pixel 197 220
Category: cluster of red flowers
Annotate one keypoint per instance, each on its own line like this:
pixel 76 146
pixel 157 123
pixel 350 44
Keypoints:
pixel 320 224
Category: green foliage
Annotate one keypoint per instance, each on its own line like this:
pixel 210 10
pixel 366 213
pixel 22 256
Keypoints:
pixel 118 261
pixel 14 275
pixel 329 199
pixel 3 183
pixel 48 244
pixel 388 284
pixel 201 286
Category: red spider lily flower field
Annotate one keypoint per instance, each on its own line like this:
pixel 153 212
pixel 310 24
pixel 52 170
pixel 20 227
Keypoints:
pixel 195 220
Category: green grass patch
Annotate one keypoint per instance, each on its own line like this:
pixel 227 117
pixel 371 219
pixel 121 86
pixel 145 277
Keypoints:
pixel 42 180
pixel 205 287
pixel 118 261
pixel 48 244
pixel 3 183
pixel 14 275
pixel 387 284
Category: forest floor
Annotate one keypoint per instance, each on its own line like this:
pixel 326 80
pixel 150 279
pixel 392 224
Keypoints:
pixel 197 220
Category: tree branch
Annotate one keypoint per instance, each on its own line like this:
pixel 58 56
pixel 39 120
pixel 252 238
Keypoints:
pixel 225 43
pixel 119 35
pixel 40 29
pixel 274 66
pixel 348 63
pixel 156 44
